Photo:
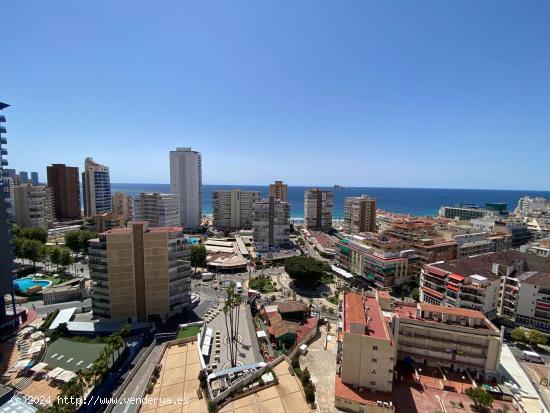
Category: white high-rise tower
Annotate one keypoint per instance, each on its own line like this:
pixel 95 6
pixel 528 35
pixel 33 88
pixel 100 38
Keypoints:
pixel 186 183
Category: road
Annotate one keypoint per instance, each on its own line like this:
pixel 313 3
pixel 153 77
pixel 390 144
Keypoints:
pixel 516 351
pixel 136 387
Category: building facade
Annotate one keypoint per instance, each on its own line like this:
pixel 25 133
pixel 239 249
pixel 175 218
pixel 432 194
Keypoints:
pixel 233 209
pixel 271 225
pixel 140 272
pixel 159 210
pixel 65 184
pixel 122 204
pixel 318 209
pixel 34 179
pixel 463 213
pixel 6 257
pixel 33 206
pixel 492 283
pixel 359 214
pixel 186 184
pixel 97 188
pixel 279 191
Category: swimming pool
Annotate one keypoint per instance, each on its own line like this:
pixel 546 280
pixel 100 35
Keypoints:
pixel 23 284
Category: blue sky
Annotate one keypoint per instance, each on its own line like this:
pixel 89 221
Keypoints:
pixel 452 94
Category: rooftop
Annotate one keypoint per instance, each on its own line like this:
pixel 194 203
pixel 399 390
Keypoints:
pixel 365 311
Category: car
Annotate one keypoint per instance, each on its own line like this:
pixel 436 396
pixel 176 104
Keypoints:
pixel 532 357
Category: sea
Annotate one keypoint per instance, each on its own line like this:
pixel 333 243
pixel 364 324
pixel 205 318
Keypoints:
pixel 414 201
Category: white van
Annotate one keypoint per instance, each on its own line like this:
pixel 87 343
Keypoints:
pixel 532 357
pixel 239 287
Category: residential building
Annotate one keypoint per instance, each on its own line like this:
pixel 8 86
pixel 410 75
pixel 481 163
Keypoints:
pixel 359 214
pixel 33 206
pixel 489 283
pixel 186 184
pixel 457 339
pixel 540 248
pixel 462 212
pixel 159 210
pixel 432 249
pixel 233 209
pixel 369 349
pixel 527 205
pixel 122 204
pixel 279 190
pixel 271 225
pixel 65 185
pixel 34 179
pixel 104 222
pixel 140 272
pixel 473 244
pixel 318 209
pixel 381 260
pixel 24 177
pixel 376 333
pixel 6 257
pixel 97 188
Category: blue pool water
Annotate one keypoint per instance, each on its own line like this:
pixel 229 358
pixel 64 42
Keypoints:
pixel 23 284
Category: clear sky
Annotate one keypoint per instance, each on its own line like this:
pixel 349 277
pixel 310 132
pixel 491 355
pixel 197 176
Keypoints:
pixel 427 93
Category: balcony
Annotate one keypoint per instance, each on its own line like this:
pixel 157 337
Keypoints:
pixel 3 129
pixel 2 118
pixel 4 152
pixel 4 162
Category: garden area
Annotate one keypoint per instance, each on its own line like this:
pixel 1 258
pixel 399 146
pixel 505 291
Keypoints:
pixel 262 284
pixel 188 331
pixel 308 272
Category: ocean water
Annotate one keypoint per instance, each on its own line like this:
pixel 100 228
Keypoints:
pixel 415 201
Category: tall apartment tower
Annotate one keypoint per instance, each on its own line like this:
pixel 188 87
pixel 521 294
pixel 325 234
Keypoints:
pixel 186 183
pixel 279 191
pixel 122 204
pixel 24 177
pixel 33 206
pixel 271 225
pixel 6 257
pixel 318 209
pixel 159 210
pixel 233 209
pixel 140 272
pixel 97 188
pixel 359 214
pixel 34 178
pixel 66 191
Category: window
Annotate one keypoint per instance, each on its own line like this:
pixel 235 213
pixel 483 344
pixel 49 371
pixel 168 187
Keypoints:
pixel 374 360
pixel 373 371
pixel 373 383
pixel 375 347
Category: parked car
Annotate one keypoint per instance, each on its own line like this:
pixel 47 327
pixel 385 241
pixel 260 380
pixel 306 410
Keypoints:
pixel 532 357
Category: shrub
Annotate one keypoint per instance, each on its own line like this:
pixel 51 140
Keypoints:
pixel 212 406
pixel 309 390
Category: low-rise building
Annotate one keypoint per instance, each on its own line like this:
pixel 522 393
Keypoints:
pixel 104 222
pixel 232 210
pixel 376 333
pixel 462 212
pixel 33 206
pixel 72 290
pixel 491 283
pixel 159 210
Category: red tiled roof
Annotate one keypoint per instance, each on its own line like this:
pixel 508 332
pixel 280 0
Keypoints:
pixel 346 391
pixel 434 293
pixel 354 311
pixel 465 312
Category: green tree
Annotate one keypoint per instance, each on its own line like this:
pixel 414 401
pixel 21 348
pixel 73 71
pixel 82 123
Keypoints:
pixel 519 334
pixel 125 331
pixel 31 250
pixel 65 258
pixel 480 397
pixel 55 256
pixel 85 236
pixel 536 338
pixel 72 241
pixel 415 294
pixel 198 256
pixel 306 271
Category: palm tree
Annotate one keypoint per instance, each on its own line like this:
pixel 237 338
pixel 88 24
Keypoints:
pixel 125 332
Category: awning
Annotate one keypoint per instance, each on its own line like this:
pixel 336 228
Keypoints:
pixel 261 334
pixel 66 376
pixel 37 335
pixel 40 367
pixel 22 364
pixel 456 277
pixel 55 372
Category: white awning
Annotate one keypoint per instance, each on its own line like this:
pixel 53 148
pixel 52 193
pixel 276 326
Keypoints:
pixel 66 376
pixel 341 272
pixel 22 364
pixel 40 367
pixel 55 372
pixel 261 334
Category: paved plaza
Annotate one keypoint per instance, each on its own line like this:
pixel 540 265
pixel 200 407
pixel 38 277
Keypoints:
pixel 248 350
